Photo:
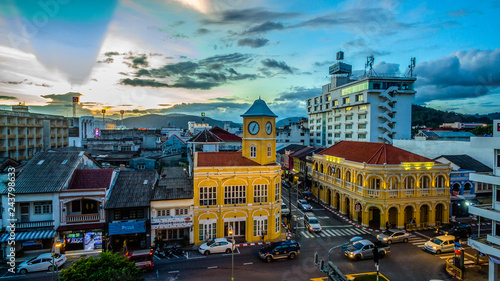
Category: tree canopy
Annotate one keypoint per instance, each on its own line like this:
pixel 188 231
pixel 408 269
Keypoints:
pixel 108 266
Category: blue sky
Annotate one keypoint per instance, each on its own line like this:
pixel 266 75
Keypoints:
pixel 193 56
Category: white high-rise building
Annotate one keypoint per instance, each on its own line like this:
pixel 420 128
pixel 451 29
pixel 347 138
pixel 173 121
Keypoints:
pixel 373 108
pixel 490 245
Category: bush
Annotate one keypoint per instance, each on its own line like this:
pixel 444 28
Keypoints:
pixel 108 266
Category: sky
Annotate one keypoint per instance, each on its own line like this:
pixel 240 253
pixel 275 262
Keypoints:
pixel 217 57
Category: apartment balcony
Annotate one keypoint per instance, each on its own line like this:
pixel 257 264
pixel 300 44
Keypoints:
pixel 373 192
pixel 3 148
pixel 38 125
pixel 12 124
pixel 30 125
pixel 52 135
pixel 59 135
pixel 2 123
pixel 34 224
pixel 30 136
pixel 31 146
pixel 38 136
pixel 2 136
pixel 12 147
pixel 65 126
pixel 21 136
pixel 59 126
pixel 52 126
pixel 21 125
pixel 11 136
pixel 485 211
pixel 22 147
pixel 83 218
pixel 65 143
pixel 21 158
pixel 59 144
pixel 38 145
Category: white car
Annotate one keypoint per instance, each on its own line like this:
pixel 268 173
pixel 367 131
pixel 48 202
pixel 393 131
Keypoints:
pixel 219 245
pixel 41 263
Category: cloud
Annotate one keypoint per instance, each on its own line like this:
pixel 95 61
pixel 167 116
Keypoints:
pixel 202 31
pixel 281 65
pixel 265 27
pixel 323 63
pixel 298 94
pixel 230 58
pixel 247 15
pixel 253 42
pixel 383 67
pixel 470 73
pixel 359 47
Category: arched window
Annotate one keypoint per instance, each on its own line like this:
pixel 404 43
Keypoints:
pixel 424 182
pixel 467 187
pixel 359 180
pixel 321 168
pixel 337 173
pixel 392 183
pixel 439 182
pixel 315 166
pixel 375 183
pixel 348 176
pixel 409 182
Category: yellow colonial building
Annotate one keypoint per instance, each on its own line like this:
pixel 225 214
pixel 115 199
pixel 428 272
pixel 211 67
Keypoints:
pixel 240 189
pixel 373 183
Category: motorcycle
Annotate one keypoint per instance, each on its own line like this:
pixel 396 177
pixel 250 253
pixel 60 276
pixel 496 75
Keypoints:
pixel 159 253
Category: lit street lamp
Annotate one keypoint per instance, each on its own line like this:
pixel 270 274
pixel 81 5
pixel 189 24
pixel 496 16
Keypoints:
pixel 231 233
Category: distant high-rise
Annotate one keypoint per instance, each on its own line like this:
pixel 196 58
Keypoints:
pixel 373 108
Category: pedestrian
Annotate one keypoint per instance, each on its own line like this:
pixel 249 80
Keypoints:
pixel 263 234
pixel 109 245
pixel 125 250
pixel 387 225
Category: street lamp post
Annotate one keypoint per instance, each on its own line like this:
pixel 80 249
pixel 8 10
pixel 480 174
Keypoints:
pixel 231 233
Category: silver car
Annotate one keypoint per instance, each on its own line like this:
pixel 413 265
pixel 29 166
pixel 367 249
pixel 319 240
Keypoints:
pixel 392 236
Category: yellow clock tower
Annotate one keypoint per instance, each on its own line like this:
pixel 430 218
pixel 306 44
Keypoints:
pixel 259 135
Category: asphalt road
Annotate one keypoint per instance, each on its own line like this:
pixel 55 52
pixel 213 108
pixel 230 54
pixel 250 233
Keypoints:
pixel 406 261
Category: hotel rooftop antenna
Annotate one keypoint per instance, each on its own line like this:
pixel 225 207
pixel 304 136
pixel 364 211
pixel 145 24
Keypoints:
pixel 369 65
pixel 340 72
pixel 411 67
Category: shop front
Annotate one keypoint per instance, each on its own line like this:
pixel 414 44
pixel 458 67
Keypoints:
pixel 25 242
pixel 172 229
pixel 131 234
pixel 87 237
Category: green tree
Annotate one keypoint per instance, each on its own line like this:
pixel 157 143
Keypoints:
pixel 481 131
pixel 108 266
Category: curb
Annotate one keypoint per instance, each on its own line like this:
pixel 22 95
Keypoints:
pixel 288 232
pixel 250 244
pixel 478 224
pixel 348 220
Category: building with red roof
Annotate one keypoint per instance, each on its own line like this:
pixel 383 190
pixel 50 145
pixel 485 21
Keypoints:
pixel 376 183
pixel 231 142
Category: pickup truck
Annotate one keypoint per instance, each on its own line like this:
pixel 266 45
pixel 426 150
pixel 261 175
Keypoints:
pixel 363 249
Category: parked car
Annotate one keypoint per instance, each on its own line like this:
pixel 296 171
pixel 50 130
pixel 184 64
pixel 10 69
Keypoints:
pixel 311 222
pixel 284 210
pixel 280 250
pixel 390 236
pixel 458 230
pixel 142 258
pixel 440 244
pixel 218 245
pixel 41 263
pixel 304 205
pixel 363 249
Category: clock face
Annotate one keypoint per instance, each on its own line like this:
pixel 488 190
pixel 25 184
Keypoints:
pixel 253 128
pixel 269 128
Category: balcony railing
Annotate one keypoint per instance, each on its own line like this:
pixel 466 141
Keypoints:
pixel 83 218
pixel 34 224
pixel 393 193
pixel 373 192
pixel 409 191
pixel 424 191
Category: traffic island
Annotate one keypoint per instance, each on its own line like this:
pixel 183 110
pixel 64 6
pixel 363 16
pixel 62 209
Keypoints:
pixel 370 276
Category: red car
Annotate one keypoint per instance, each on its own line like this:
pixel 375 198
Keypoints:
pixel 142 259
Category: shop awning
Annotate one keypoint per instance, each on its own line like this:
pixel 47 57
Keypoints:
pixel 30 235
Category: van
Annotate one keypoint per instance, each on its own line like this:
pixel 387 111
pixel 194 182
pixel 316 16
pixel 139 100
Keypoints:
pixel 440 244
pixel 311 222
pixel 142 259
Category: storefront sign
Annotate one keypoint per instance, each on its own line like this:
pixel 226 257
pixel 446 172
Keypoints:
pixel 129 227
pixel 171 223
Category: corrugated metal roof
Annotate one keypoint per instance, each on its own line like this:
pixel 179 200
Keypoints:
pixel 46 173
pixel 259 108
pixel 465 162
pixel 132 189
pixel 175 185
pixel 205 136
pixel 291 147
pixel 90 179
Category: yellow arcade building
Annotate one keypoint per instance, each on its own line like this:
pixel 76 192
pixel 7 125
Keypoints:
pixel 240 189
pixel 374 183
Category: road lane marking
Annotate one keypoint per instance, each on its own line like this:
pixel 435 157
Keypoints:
pixel 174 271
pixel 248 263
pixel 304 234
pixel 322 234
pixel 212 267
pixel 331 232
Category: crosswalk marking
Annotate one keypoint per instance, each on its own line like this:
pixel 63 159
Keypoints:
pixel 334 232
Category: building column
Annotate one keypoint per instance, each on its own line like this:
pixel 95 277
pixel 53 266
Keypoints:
pixel 416 214
pixel 446 219
pixel 334 202
pixel 432 217
pixel 365 218
pixel 493 271
pixel 342 208
pixel 220 225
pixel 401 219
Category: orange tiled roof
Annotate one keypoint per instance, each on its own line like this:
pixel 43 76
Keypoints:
pixel 224 159
pixel 372 153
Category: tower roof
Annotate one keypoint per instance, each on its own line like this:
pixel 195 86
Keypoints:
pixel 259 108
